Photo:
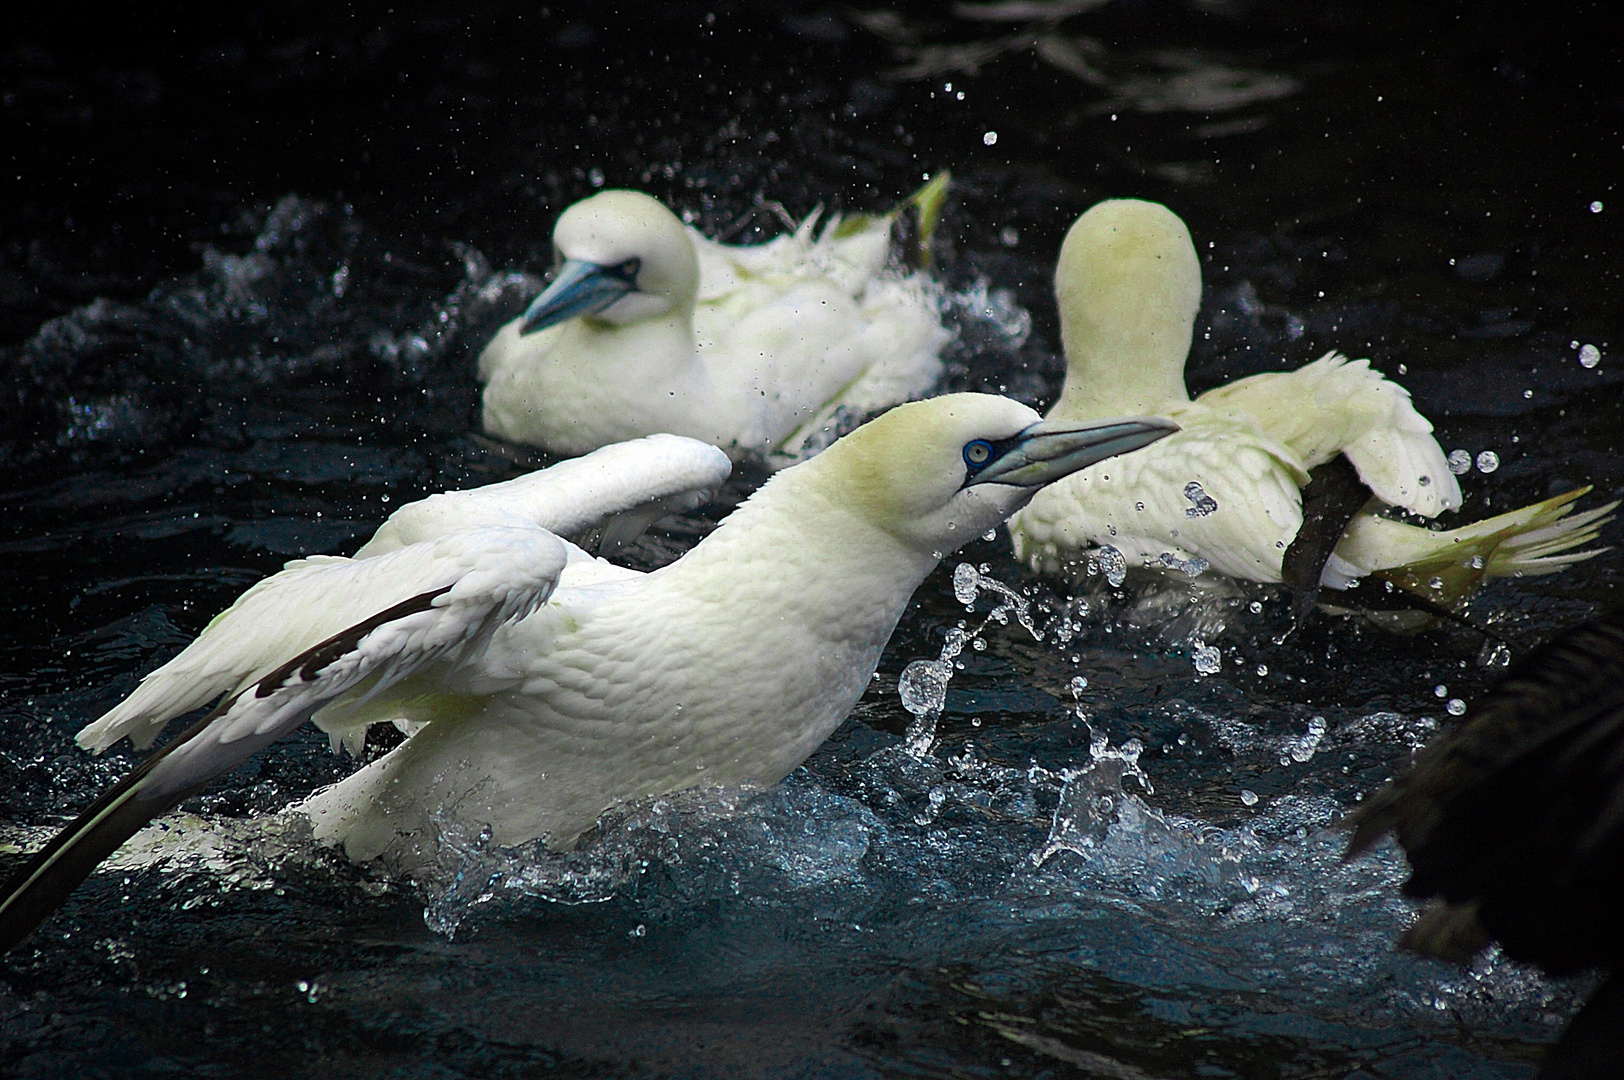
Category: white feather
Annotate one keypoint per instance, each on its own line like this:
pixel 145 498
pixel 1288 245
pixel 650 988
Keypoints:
pixel 753 349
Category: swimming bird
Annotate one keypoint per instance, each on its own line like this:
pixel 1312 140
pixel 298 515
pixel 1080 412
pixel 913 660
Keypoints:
pixel 763 350
pixel 542 686
pixel 1513 824
pixel 1227 492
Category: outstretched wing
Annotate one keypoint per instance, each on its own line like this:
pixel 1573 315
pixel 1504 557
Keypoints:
pixel 457 591
pixel 618 490
pixel 1336 405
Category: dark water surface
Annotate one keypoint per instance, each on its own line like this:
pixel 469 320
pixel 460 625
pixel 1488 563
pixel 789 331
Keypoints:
pixel 247 258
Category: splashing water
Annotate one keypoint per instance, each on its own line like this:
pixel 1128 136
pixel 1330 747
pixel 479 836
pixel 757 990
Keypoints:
pixel 1204 504
pixel 1207 658
pixel 923 683
pixel 1110 562
pixel 1195 566
pixel 1301 748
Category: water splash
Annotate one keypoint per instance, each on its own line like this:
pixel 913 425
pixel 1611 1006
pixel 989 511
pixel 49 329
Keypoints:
pixel 1112 563
pixel 1194 566
pixel 1203 504
pixel 923 683
pixel 1301 748
pixel 1207 658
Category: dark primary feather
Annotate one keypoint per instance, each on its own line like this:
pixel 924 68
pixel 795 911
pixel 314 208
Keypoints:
pixel 1514 826
pixel 1334 494
pixel 155 787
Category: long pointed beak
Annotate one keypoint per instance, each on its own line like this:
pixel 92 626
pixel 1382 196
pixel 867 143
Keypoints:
pixel 1051 449
pixel 581 288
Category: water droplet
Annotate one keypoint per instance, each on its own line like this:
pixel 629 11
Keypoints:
pixel 1488 461
pixel 1255 607
pixel 1204 504
pixel 1009 236
pixel 1460 462
pixel 1248 797
pixel 1206 657
pixel 1455 707
pixel 966 583
pixel 1436 584
pixel 1595 207
pixel 1113 564
pixel 1262 670
pixel 1079 683
pixel 1589 356
pixel 923 686
pixel 990 534
pixel 1440 690
pixel 979 644
pixel 990 138
pixel 1475 562
pixel 595 177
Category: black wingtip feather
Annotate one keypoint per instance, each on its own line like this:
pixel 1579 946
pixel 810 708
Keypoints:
pixel 46 880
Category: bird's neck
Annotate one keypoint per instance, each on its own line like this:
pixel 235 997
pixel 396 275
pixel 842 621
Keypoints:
pixel 657 350
pixel 1125 374
pixel 794 552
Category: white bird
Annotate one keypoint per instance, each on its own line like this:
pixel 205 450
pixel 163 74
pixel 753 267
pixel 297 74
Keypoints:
pixel 763 351
pixel 1129 286
pixel 542 686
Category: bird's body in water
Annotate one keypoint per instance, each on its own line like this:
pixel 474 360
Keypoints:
pixel 1513 824
pixel 764 351
pixel 543 686
pixel 1226 494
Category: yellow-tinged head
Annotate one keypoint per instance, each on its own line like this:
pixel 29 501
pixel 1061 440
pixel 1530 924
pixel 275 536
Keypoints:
pixel 937 473
pixel 623 257
pixel 1128 284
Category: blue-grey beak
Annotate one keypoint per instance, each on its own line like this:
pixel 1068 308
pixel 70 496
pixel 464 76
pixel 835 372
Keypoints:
pixel 581 288
pixel 1051 449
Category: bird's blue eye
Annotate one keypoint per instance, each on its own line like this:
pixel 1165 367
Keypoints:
pixel 977 452
pixel 629 268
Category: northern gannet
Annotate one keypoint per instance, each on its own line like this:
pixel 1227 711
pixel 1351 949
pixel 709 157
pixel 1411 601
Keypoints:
pixel 650 326
pixel 1513 824
pixel 542 686
pixel 1226 492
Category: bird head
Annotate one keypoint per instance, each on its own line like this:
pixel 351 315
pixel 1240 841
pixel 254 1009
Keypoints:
pixel 939 473
pixel 623 257
pixel 1128 285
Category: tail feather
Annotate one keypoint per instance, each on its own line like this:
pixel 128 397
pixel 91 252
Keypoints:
pixel 912 223
pixel 1450 565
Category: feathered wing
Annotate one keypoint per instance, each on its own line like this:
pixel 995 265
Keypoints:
pixel 1515 820
pixel 618 491
pixel 390 618
pixel 819 327
pixel 1336 405
pixel 1138 503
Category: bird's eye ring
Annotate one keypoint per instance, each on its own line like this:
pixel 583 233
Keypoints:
pixel 977 453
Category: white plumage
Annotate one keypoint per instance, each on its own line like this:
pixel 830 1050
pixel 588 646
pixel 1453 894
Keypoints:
pixel 1128 285
pixel 762 351
pixel 542 686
